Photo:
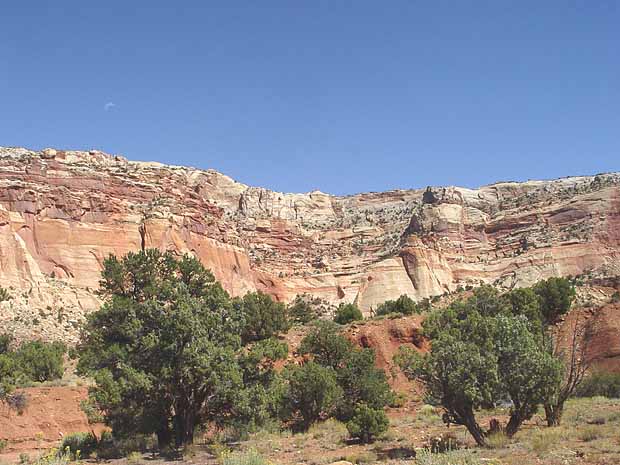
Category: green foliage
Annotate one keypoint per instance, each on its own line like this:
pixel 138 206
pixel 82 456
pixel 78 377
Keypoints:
pixel 165 348
pixel 362 383
pixel 264 318
pixel 79 444
pixel 485 349
pixel 260 399
pixel 556 296
pixel 367 423
pixel 167 351
pixel 459 375
pixel 347 313
pixel 5 343
pixel 525 302
pixel 313 394
pixel 4 295
pixel 600 383
pixel 40 361
pixel 357 376
pixel 327 346
pixel 527 372
pixel 32 361
pixel 306 308
pixel 403 305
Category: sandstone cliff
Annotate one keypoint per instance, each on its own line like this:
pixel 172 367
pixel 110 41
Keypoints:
pixel 63 212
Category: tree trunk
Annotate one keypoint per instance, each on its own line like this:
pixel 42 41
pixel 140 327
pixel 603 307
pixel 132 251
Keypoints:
pixel 164 437
pixel 553 413
pixel 184 428
pixel 513 424
pixel 475 430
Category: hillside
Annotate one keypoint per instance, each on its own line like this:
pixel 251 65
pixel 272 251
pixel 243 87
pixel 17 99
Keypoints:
pixel 63 212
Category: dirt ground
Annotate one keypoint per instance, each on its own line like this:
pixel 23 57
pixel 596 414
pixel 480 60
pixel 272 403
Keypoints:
pixel 589 435
pixel 51 413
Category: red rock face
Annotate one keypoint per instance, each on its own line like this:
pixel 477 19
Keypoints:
pixel 63 212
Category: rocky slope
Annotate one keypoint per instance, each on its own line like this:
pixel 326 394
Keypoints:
pixel 63 212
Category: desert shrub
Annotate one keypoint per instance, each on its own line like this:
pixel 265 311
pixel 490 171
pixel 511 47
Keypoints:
pixel 403 305
pixel 427 411
pixel 5 343
pixel 497 440
pixel 545 440
pixel 589 433
pixel 41 361
pixel 480 355
pixel 556 296
pixel 110 447
pixel 85 443
pixel 3 444
pixel 362 458
pixel 331 430
pixel 312 395
pixel 4 295
pixel 306 308
pixel 326 345
pixel 134 458
pixel 455 457
pixel 443 443
pixel 362 383
pixel 17 401
pixel 358 377
pixel 615 297
pixel 347 313
pixel 367 423
pixel 600 383
pixel 249 457
pixel 264 317
pixel 398 400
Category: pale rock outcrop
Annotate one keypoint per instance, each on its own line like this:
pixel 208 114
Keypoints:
pixel 63 212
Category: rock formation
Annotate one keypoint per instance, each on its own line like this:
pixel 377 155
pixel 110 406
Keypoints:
pixel 63 212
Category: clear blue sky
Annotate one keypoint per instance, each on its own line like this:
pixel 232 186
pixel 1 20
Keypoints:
pixel 341 96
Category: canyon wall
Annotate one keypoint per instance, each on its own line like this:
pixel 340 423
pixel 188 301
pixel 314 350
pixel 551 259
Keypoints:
pixel 63 212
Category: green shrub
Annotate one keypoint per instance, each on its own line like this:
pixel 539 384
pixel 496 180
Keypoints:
pixel 264 317
pixel 347 313
pixel 306 308
pixel 556 296
pixel 367 423
pixel 40 361
pixel 615 297
pixel 3 444
pixel 313 394
pixel 85 443
pixel 403 305
pixel 5 343
pixel 327 346
pixel 250 457
pixel 600 383
pixel 109 447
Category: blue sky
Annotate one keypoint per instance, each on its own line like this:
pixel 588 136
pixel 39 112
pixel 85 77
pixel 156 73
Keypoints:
pixel 340 96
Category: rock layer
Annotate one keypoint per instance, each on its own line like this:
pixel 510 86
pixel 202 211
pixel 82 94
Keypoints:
pixel 63 212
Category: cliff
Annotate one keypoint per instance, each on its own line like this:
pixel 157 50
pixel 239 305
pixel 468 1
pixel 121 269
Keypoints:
pixel 63 212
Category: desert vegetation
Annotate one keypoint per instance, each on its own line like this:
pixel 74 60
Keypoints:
pixel 178 367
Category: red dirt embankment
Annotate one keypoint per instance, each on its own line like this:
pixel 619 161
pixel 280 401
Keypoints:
pixel 51 413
